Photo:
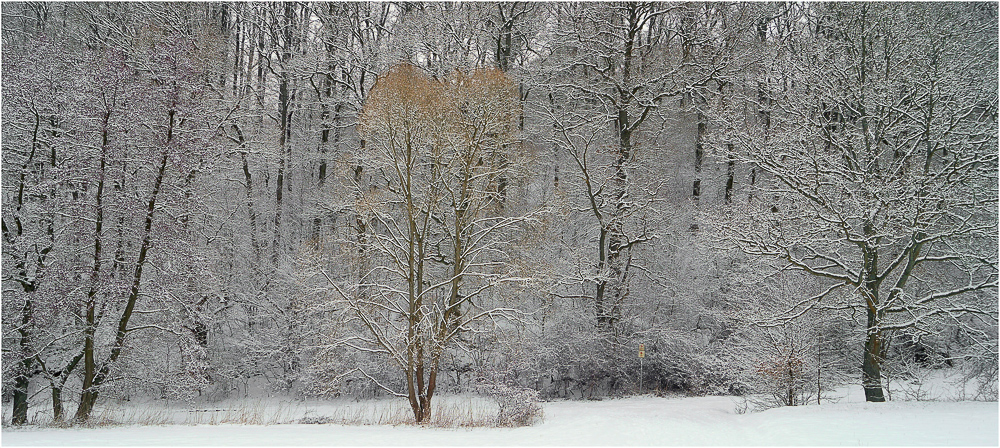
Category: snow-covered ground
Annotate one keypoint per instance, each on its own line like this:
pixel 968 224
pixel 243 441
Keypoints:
pixel 632 421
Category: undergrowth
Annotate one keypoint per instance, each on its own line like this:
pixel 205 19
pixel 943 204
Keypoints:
pixel 448 412
pixel 453 413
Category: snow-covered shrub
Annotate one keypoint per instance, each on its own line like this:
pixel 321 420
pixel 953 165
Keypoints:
pixel 985 371
pixel 518 405
pixel 776 366
pixel 784 380
pixel 976 379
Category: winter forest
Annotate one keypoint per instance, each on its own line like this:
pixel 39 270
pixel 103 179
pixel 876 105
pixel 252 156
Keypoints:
pixel 528 201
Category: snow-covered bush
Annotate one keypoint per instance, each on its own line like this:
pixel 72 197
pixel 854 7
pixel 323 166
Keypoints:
pixel 518 405
pixel 984 372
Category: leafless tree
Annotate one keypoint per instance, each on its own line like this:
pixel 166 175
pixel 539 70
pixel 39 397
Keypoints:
pixel 883 153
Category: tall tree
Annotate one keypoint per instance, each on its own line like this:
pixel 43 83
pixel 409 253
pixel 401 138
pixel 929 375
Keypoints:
pixel 147 85
pixel 32 195
pixel 437 144
pixel 620 62
pixel 884 158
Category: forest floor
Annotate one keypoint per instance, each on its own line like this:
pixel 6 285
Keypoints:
pixel 645 420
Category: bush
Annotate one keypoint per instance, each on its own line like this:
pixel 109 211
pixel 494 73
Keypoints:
pixel 518 405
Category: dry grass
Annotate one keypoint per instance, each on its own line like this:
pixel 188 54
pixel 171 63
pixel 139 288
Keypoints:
pixel 244 413
pixel 451 412
pixel 129 415
pixel 448 412
pixel 238 413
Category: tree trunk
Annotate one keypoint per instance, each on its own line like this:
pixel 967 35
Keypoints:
pixel 87 396
pixel 23 379
pixel 57 382
pixel 791 385
pixel 871 372
pixel 615 289
pixel 421 392
pixel 285 95
pixel 871 369
pixel 248 182
pixel 280 183
pixel 20 413
pixel 699 156
pixel 730 174
pixel 22 382
pixel 57 408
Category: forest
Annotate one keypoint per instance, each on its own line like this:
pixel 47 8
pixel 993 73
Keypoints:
pixel 532 201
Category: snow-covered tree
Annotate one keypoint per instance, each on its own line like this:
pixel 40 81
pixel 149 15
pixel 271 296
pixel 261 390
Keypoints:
pixel 438 241
pixel 881 146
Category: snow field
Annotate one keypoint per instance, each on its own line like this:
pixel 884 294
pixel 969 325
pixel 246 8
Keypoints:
pixel 632 421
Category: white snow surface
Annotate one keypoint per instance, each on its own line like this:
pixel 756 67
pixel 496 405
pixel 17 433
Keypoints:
pixel 647 420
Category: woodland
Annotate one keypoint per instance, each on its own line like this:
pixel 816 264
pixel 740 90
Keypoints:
pixel 527 200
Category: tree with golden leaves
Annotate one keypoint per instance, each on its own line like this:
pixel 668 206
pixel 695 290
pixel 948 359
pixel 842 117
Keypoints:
pixel 444 150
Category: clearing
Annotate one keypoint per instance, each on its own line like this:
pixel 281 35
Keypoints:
pixel 632 421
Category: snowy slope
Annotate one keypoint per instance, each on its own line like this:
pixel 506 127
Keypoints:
pixel 632 421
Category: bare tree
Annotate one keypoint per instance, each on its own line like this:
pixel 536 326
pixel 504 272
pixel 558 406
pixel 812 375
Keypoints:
pixel 613 67
pixel 34 192
pixel 883 154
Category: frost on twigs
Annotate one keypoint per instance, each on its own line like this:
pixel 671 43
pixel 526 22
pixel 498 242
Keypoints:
pixel 518 405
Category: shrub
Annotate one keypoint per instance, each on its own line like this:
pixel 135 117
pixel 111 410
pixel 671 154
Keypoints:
pixel 518 405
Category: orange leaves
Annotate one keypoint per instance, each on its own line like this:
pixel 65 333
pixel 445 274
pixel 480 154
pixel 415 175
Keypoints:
pixel 781 369
pixel 402 99
pixel 465 108
pixel 450 137
pixel 487 100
